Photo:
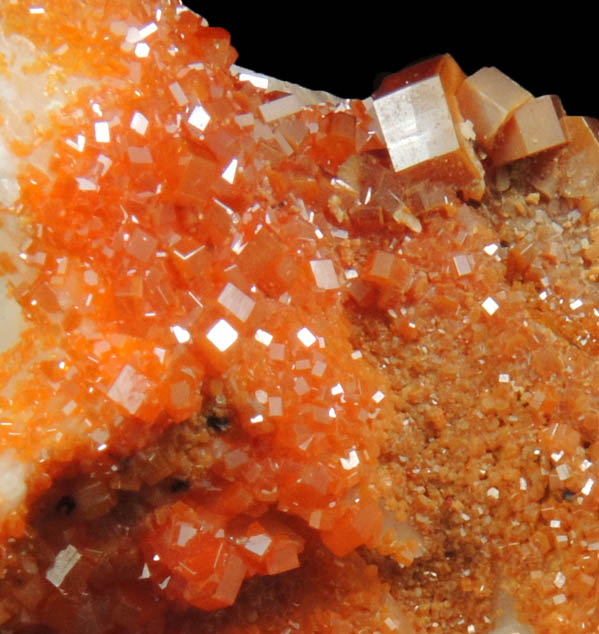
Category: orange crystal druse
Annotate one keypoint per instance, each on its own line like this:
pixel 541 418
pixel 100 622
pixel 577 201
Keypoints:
pixel 292 362
pixel 579 156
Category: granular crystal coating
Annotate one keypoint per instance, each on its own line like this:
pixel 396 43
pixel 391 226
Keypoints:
pixel 259 374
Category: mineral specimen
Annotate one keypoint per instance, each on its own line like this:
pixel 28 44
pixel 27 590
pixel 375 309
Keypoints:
pixel 275 361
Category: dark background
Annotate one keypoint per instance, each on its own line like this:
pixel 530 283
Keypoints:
pixel 346 51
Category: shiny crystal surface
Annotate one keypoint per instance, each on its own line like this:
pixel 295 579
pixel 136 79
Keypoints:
pixel 275 361
pixel 489 98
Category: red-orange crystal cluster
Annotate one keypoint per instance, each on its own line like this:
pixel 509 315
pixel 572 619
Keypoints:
pixel 289 362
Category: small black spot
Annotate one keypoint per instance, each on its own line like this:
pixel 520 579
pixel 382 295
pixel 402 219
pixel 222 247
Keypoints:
pixel 504 244
pixel 218 423
pixel 179 486
pixel 568 495
pixel 66 505
pixel 475 204
pixel 450 554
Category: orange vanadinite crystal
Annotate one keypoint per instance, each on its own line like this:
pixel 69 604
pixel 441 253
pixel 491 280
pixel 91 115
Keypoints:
pixel 284 362
pixel 163 261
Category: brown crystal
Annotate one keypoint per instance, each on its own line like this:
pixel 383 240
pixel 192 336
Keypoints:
pixel 488 98
pixel 534 127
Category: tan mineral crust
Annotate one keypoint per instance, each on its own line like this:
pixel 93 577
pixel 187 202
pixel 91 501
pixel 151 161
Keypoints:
pixel 276 362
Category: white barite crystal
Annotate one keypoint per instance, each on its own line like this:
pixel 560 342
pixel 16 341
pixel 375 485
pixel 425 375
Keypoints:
pixel 416 123
pixel 13 486
pixel 63 564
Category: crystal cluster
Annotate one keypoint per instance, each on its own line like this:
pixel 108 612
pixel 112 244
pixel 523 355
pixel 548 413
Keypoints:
pixel 274 361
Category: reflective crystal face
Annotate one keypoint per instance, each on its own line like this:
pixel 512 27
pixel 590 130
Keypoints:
pixel 416 123
pixel 276 361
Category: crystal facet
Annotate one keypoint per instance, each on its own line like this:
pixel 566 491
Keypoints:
pixel 250 329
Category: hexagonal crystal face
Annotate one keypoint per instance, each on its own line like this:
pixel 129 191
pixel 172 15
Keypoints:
pixel 416 123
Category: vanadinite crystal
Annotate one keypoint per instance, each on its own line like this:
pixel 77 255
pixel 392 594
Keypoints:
pixel 274 361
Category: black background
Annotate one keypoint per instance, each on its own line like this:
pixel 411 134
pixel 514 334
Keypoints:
pixel 329 46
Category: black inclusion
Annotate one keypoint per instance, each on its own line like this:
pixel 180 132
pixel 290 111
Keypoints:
pixel 178 485
pixel 218 423
pixel 66 505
